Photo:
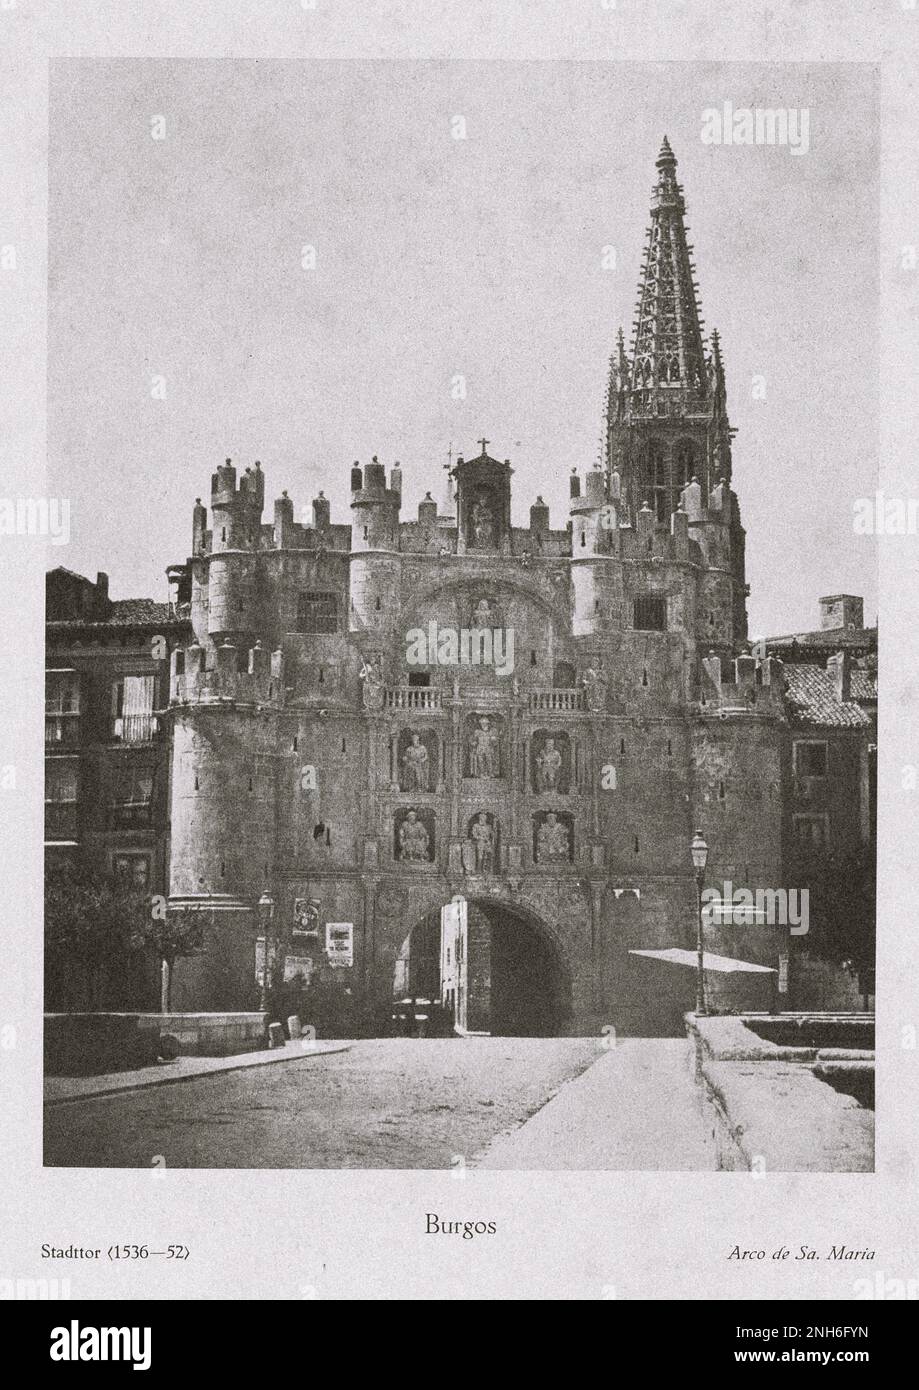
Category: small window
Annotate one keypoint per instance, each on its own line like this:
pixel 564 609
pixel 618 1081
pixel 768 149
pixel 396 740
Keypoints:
pixel 62 779
pixel 317 611
pixel 133 720
pixel 62 789
pixel 650 613
pixel 812 832
pixel 131 872
pixel 419 679
pixel 62 708
pixel 132 796
pixel 810 759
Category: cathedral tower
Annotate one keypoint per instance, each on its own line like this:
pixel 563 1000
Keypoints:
pixel 667 435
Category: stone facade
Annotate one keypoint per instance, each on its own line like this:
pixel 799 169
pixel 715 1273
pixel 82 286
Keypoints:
pixel 379 716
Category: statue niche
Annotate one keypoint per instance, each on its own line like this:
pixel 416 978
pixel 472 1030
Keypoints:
pixel 483 746
pixel 553 837
pixel 550 758
pixel 481 848
pixel 485 613
pixel 413 837
pixel 417 756
pixel 484 517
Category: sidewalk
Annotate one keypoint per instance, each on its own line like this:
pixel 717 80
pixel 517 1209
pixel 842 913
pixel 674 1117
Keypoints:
pixel 59 1089
pixel 635 1108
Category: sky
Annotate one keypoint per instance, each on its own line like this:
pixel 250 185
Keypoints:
pixel 181 258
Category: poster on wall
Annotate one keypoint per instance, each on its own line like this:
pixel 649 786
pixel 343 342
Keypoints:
pixel 306 917
pixel 339 943
pixel 298 968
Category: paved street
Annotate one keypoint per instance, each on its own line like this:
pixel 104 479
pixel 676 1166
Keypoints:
pixel 386 1103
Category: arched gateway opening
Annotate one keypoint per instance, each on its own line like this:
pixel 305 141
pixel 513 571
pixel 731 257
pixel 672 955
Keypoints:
pixel 494 967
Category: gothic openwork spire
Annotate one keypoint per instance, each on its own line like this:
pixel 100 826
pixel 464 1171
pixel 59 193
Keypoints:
pixel 667 347
pixel 666 417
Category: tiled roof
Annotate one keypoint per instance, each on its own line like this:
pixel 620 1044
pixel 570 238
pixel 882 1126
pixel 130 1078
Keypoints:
pixel 140 610
pixel 812 698
pixel 864 685
pixel 128 612
pixel 832 637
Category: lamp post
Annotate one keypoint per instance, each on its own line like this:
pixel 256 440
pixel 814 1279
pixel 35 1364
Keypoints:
pixel 265 916
pixel 699 851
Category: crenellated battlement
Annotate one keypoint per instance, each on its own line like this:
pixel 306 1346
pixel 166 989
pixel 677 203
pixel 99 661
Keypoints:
pixel 249 489
pixel 226 674
pixel 755 686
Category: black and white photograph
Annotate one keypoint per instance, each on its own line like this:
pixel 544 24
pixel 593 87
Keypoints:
pixel 563 737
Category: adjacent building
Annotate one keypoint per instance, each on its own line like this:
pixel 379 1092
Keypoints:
pixel 106 749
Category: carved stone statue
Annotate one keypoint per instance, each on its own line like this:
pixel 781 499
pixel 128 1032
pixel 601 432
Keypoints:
pixel 484 757
pixel 595 682
pixel 372 676
pixel 415 764
pixel 484 615
pixel 483 524
pixel 413 839
pixel 552 844
pixel 483 836
pixel 548 767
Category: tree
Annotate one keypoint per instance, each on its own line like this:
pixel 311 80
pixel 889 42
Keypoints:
pixel 843 911
pixel 169 936
pixel 89 920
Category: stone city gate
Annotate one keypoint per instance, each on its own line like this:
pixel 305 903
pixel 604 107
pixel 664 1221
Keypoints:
pixel 496 965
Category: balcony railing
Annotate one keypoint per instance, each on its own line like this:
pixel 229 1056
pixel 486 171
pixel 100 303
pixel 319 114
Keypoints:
pixel 413 697
pixel 556 701
pixel 134 728
pixel 130 815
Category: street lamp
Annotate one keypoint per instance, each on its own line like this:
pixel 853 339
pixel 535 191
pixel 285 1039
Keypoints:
pixel 265 915
pixel 699 851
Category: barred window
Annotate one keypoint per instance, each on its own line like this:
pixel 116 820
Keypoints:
pixel 650 614
pixel 317 611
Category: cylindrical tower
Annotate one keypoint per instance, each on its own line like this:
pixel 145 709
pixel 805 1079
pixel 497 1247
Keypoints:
pixel 223 790
pixel 236 514
pixel 374 551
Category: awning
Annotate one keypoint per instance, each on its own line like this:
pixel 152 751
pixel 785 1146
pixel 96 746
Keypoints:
pixel 725 965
